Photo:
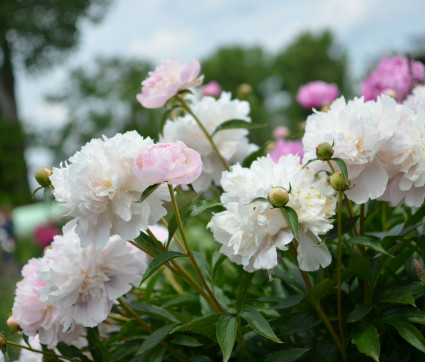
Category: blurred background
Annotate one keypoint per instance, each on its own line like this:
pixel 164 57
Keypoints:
pixel 70 71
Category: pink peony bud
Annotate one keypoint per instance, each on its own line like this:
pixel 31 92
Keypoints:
pixel 317 94
pixel 212 89
pixel 13 324
pixel 278 196
pixel 168 162
pixel 169 78
pixel 281 132
pixel 285 147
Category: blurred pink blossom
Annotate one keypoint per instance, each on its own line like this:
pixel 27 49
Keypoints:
pixel 285 147
pixel 317 94
pixel 212 89
pixel 174 163
pixel 44 234
pixel 280 132
pixel 393 74
pixel 167 80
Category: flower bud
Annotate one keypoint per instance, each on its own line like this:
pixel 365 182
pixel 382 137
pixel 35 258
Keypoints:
pixel 324 151
pixel 43 176
pixel 338 183
pixel 419 269
pixel 278 196
pixel 244 91
pixel 212 89
pixel 3 341
pixel 280 132
pixel 13 324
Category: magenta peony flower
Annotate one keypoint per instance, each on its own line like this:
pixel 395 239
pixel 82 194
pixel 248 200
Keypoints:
pixel 44 234
pixel 284 147
pixel 167 80
pixel 393 74
pixel 317 94
pixel 212 89
pixel 168 162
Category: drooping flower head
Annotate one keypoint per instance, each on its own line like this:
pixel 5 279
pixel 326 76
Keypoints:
pixel 232 143
pixel 173 163
pixel 393 75
pixel 250 232
pixel 167 80
pixel 317 94
pixel 98 186
pixel 366 136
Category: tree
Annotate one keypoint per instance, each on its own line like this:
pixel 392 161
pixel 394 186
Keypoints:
pixel 34 34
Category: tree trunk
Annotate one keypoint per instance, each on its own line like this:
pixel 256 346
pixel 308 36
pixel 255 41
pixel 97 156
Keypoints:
pixel 14 187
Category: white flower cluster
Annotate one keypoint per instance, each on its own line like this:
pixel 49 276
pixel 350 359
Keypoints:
pixel 232 143
pixel 250 232
pixel 71 287
pixel 382 144
pixel 99 188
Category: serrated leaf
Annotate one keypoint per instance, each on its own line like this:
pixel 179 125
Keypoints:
pixel 319 290
pixel 147 192
pixel 410 333
pixel 254 155
pixel 258 323
pixel 366 338
pixel 370 243
pixel 292 218
pixel 343 168
pixel 155 338
pixel 398 296
pixel 160 260
pixel 226 335
pixel 360 311
pixel 288 355
pixel 237 123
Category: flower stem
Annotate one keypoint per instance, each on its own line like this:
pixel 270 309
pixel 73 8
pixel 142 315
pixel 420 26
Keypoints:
pixel 10 343
pixel 216 306
pixel 330 166
pixel 135 316
pixel 339 261
pixel 209 137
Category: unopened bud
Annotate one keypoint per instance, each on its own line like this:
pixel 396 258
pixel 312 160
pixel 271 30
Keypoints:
pixel 13 324
pixel 337 181
pixel 212 89
pixel 43 176
pixel 278 196
pixel 244 91
pixel 281 132
pixel 3 341
pixel 419 269
pixel 324 151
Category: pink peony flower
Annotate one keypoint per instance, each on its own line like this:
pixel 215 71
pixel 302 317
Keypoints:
pixel 167 80
pixel 284 147
pixel 168 162
pixel 393 74
pixel 281 132
pixel 44 234
pixel 317 94
pixel 212 89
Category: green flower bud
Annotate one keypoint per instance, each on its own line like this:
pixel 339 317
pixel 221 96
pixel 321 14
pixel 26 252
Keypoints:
pixel 278 196
pixel 244 91
pixel 338 183
pixel 324 151
pixel 3 341
pixel 43 176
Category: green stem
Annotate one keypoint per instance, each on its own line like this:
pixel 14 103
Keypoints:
pixel 204 130
pixel 38 351
pixel 330 166
pixel 190 252
pixel 362 219
pixel 339 262
pixel 350 211
pixel 135 316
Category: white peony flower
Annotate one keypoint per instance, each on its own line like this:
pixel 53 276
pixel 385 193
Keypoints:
pixel 251 232
pixel 82 284
pixel 416 100
pixel 232 144
pixel 366 135
pixel 99 188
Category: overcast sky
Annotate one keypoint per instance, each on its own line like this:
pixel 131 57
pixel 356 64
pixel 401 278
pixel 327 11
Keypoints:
pixel 160 29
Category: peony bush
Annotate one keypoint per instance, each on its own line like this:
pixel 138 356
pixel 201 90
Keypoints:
pixel 206 247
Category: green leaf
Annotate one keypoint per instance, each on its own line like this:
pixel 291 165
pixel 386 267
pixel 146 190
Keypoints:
pixel 360 311
pixel 416 217
pixel 200 207
pixel 289 302
pixel 258 323
pixel 205 326
pixel 410 333
pixel 155 338
pixel 370 243
pixel 238 123
pixel 398 296
pixel 259 199
pixel 254 155
pixel 320 290
pixel 366 338
pixel 242 289
pixel 166 116
pixel 71 351
pixel 160 260
pixel 96 347
pixel 185 340
pixel 218 259
pixel 154 311
pixel 147 243
pixel 343 168
pixel 148 191
pixel 347 225
pixel 310 161
pixel 288 355
pixel 292 218
pixel 226 335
